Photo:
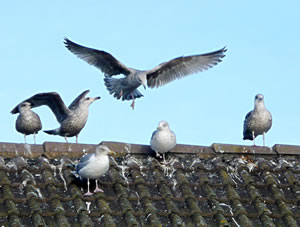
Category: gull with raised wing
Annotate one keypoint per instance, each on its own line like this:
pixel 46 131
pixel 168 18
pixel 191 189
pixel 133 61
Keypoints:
pixel 72 119
pixel 127 87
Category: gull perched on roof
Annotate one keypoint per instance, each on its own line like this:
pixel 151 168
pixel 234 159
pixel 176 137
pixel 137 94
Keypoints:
pixel 72 119
pixel 28 122
pixel 258 121
pixel 163 139
pixel 127 87
pixel 93 166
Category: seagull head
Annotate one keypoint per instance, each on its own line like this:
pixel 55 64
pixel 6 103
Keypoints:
pixel 163 125
pixel 104 150
pixel 259 98
pixel 24 106
pixel 142 79
pixel 89 100
pixel 259 101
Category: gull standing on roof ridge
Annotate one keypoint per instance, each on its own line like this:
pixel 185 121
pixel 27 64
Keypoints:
pixel 163 139
pixel 94 165
pixel 127 87
pixel 28 122
pixel 72 119
pixel 258 121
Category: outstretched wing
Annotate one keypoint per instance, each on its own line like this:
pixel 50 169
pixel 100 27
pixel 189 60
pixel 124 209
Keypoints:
pixel 76 101
pixel 50 99
pixel 104 61
pixel 183 66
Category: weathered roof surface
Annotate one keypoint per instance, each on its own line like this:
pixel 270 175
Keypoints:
pixel 220 185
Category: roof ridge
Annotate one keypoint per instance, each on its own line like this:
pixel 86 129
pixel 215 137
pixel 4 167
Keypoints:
pixel 53 149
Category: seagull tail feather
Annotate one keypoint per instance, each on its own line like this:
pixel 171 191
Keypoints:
pixel 247 135
pixel 136 94
pixel 51 132
pixel 114 86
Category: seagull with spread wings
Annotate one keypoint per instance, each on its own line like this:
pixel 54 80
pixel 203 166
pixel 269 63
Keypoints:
pixel 72 119
pixel 127 87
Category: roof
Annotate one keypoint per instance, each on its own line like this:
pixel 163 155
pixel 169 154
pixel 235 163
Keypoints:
pixel 218 185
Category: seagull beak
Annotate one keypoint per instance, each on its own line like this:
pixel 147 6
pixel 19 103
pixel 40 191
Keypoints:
pixel 111 153
pixel 144 85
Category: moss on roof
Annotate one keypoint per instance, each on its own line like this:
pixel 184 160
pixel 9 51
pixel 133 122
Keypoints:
pixel 219 185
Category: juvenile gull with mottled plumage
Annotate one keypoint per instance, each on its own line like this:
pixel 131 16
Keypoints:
pixel 93 166
pixel 163 139
pixel 28 122
pixel 258 121
pixel 72 119
pixel 127 87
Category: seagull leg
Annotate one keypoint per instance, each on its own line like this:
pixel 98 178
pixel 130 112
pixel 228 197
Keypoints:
pixel 264 139
pixel 88 184
pixel 164 159
pixel 165 162
pixel 97 189
pixel 133 101
pixel 25 139
pixel 77 138
pixel 34 138
pixel 157 154
pixel 132 104
pixel 253 137
pixel 66 139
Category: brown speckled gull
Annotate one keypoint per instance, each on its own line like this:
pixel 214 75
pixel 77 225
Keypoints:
pixel 72 119
pixel 28 122
pixel 258 121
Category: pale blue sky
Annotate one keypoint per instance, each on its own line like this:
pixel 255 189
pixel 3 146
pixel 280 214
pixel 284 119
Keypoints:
pixel 262 38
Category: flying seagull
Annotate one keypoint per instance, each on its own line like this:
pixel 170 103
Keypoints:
pixel 163 139
pixel 127 87
pixel 72 119
pixel 28 122
pixel 258 121
pixel 92 166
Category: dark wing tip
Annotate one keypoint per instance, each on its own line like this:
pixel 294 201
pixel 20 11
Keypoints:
pixel 223 51
pixel 68 43
pixel 14 110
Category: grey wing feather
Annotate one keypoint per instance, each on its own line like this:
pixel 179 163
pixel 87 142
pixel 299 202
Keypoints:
pixel 248 115
pixel 76 101
pixel 83 162
pixel 246 132
pixel 153 134
pixel 102 60
pixel 50 99
pixel 182 66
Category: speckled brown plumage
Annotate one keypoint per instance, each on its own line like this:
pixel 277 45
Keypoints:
pixel 258 121
pixel 28 122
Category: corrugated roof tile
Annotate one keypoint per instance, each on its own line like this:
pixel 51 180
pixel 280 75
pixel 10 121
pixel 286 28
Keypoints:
pixel 201 186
